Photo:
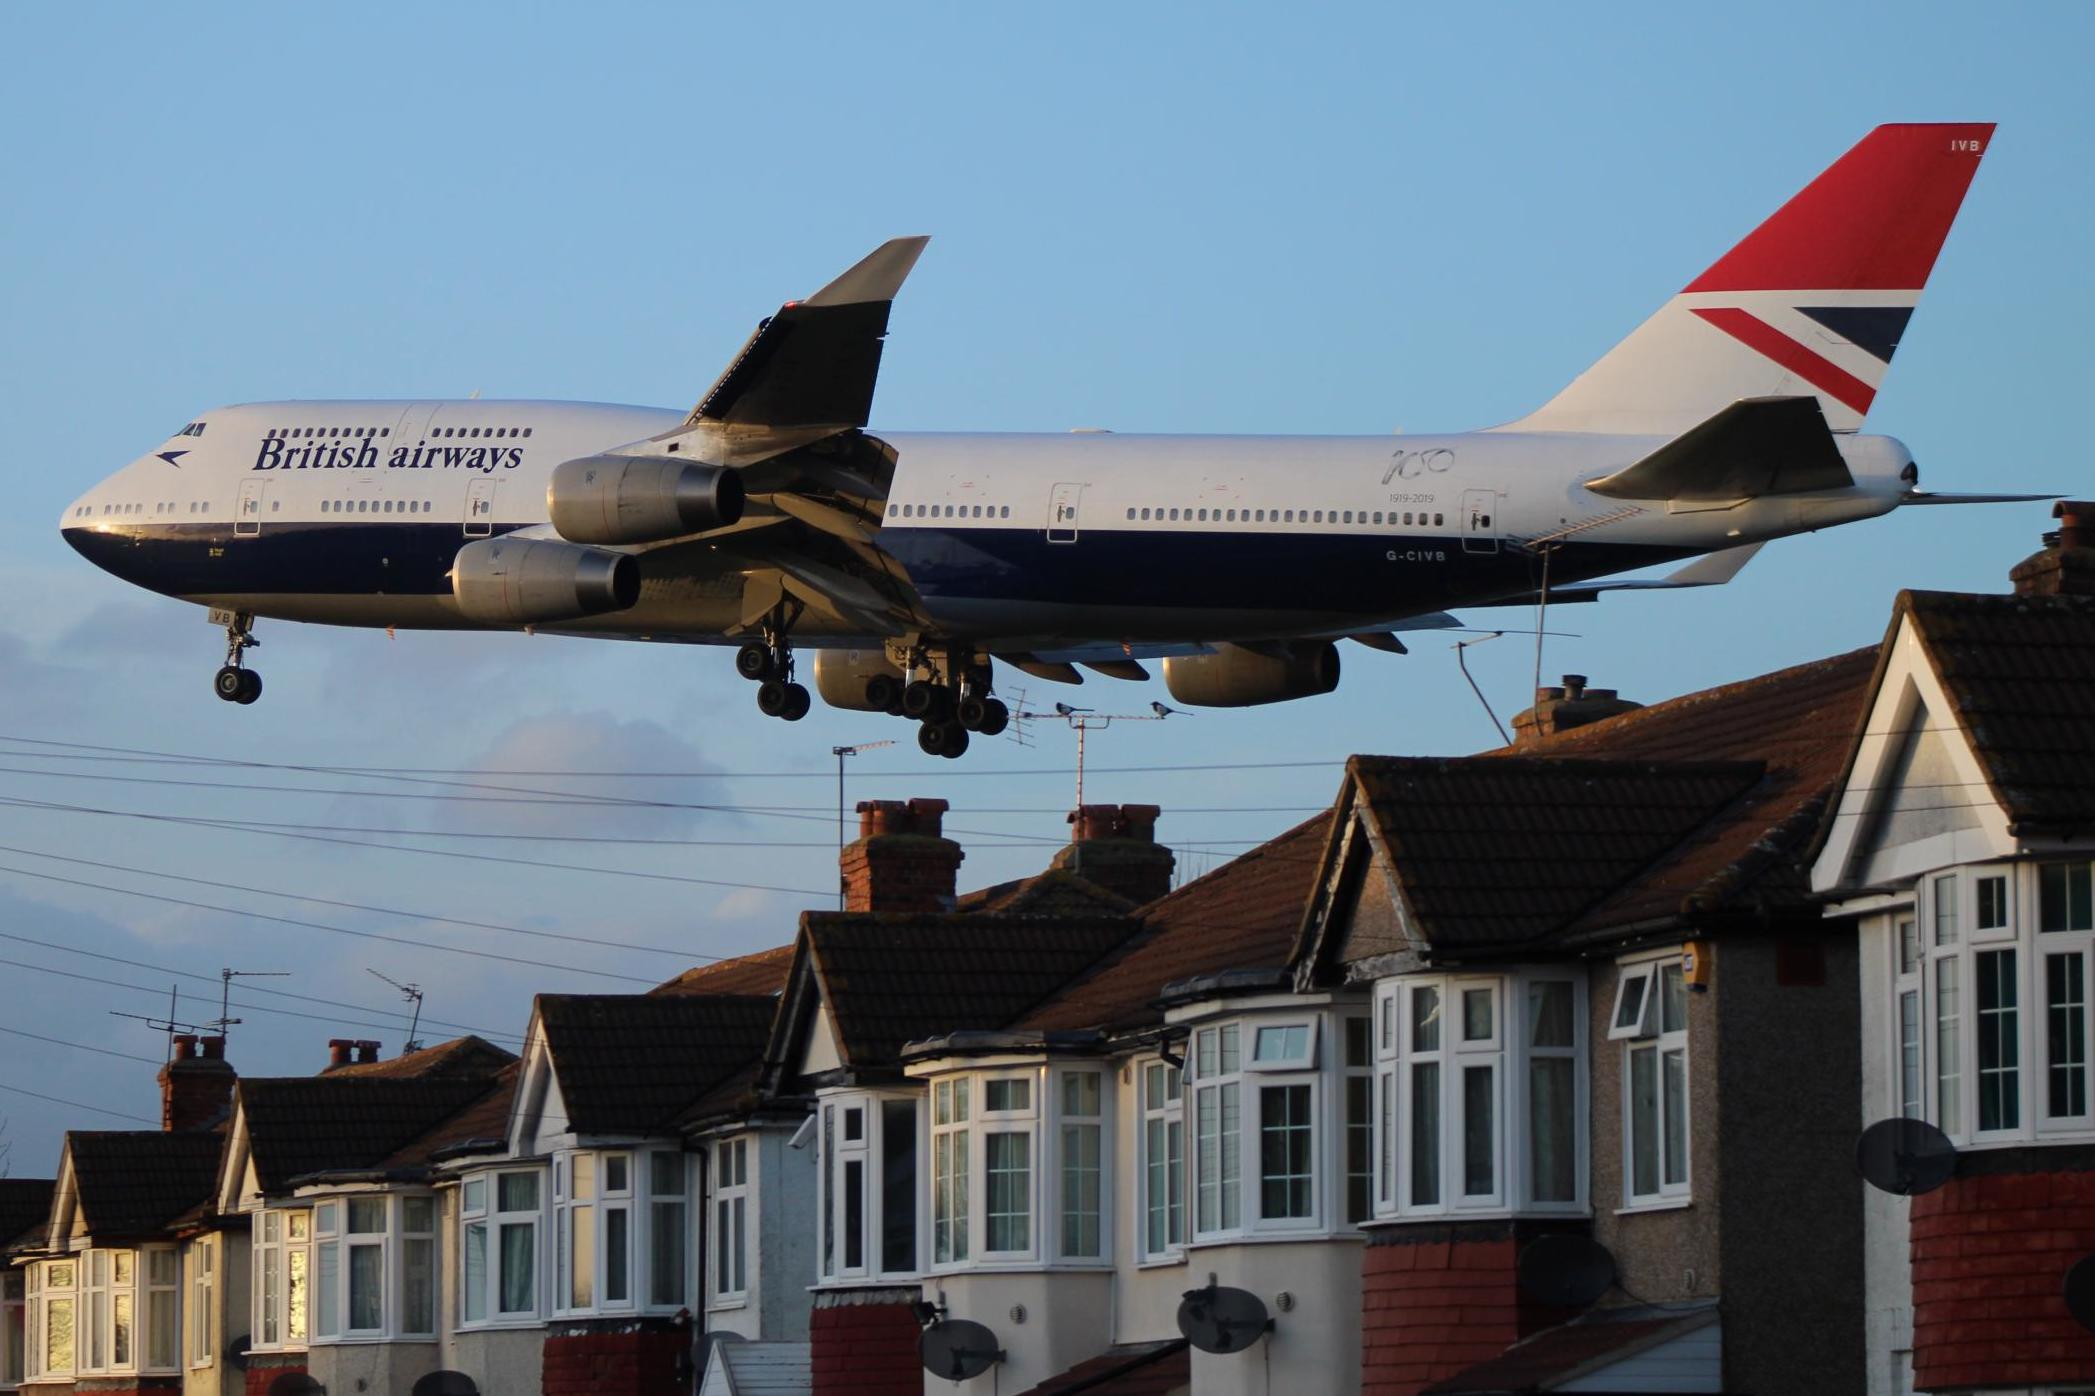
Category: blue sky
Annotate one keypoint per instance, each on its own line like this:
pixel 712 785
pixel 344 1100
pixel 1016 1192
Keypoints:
pixel 1347 218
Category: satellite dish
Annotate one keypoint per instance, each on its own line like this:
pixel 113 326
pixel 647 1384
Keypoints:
pixel 1905 1157
pixel 296 1384
pixel 958 1348
pixel 1565 1270
pixel 1222 1320
pixel 2080 1291
pixel 445 1383
pixel 236 1351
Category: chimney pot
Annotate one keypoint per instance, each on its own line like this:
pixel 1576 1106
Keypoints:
pixel 367 1051
pixel 1115 847
pixel 2065 565
pixel 338 1051
pixel 214 1048
pixel 185 1046
pixel 1574 686
pixel 902 860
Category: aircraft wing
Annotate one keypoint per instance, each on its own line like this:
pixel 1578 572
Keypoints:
pixel 1757 446
pixel 813 364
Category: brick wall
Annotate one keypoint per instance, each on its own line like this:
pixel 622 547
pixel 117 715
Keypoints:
pixel 264 1368
pixel 628 1360
pixel 1435 1300
pixel 864 1343
pixel 1990 1255
pixel 122 1386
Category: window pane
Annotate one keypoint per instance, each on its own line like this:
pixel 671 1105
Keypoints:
pixel 1360 1140
pixel 1080 1092
pixel 1909 1054
pixel 417 1214
pixel 327 1288
pixel 271 1286
pixel 1992 906
pixel 1231 1151
pixel 1629 1001
pixel 2000 1094
pixel 1228 1063
pixel 1476 1015
pixel 1909 945
pixel 417 1285
pixel 519 1268
pixel 1007 1094
pixel 1949 1048
pixel 366 1281
pixel 1945 890
pixel 617 1258
pixel 617 1172
pixel 1007 1168
pixel 666 1268
pixel 665 1174
pixel 1289 1042
pixel 1425 1019
pixel 2066 1035
pixel 475 1194
pixel 2063 897
pixel 1552 1128
pixel 898 1185
pixel 854 1214
pixel 160 1328
pixel 1284 1152
pixel 295 1261
pixel 1080 1190
pixel 1643 1121
pixel 1425 1133
pixel 1479 1158
pixel 1549 1013
pixel 473 1267
pixel 1673 999
pixel 1676 1074
pixel 1360 1042
pixel 1155 1188
pixel 582 1177
pixel 120 1329
pixel 740 1244
pixel 519 1192
pixel 367 1216
pixel 58 1335
pixel 581 1270
pixel 723 1252
pixel 1175 1145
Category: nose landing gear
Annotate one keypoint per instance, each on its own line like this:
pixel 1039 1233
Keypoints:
pixel 235 683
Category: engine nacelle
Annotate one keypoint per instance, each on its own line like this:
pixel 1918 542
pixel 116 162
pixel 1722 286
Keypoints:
pixel 861 680
pixel 536 581
pixel 1236 677
pixel 640 499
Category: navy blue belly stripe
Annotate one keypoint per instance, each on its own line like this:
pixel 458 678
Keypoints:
pixel 307 559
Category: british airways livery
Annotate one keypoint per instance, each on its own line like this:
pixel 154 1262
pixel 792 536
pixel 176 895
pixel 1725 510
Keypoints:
pixel 770 517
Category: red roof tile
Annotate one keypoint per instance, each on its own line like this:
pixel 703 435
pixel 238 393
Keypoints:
pixel 1590 1343
pixel 761 973
pixel 1130 1369
pixel 467 1056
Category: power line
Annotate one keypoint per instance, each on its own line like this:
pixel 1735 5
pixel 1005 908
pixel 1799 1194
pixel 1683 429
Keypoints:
pixel 82 1046
pixel 76 1105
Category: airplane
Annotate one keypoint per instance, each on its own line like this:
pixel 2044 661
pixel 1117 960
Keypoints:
pixel 769 517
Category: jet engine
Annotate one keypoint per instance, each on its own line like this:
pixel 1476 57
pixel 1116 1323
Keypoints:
pixel 861 680
pixel 534 581
pixel 640 499
pixel 1236 676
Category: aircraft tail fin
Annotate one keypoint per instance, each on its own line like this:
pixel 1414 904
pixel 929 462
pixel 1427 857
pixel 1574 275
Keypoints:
pixel 1812 303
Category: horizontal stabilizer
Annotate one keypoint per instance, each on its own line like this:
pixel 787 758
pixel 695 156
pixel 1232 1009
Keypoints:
pixel 1938 497
pixel 1756 446
pixel 1709 570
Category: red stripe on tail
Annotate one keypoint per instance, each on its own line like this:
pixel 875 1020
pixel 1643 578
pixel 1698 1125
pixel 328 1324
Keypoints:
pixel 1763 338
pixel 1873 221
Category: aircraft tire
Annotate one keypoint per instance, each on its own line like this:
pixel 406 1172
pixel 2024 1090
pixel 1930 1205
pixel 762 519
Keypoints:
pixel 972 712
pixel 228 684
pixel 919 700
pixel 956 740
pixel 250 687
pixel 797 703
pixel 931 739
pixel 995 719
pixel 771 698
pixel 882 693
pixel 753 662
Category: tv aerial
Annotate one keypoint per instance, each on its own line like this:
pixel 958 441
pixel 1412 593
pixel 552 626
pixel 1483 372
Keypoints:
pixel 1564 1270
pixel 413 994
pixel 1905 1157
pixel 958 1349
pixel 1222 1320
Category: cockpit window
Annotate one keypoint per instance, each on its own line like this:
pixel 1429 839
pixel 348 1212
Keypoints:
pixel 192 429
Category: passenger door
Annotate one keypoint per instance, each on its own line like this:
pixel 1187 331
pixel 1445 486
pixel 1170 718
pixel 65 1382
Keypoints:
pixel 1062 513
pixel 247 513
pixel 480 507
pixel 1479 529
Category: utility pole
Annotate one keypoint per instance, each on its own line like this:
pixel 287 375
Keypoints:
pixel 840 753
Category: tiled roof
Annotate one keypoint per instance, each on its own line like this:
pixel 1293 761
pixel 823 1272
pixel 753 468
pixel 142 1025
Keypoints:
pixel 1243 915
pixel 1056 892
pixel 761 973
pixel 297 1125
pixel 631 1063
pixel 134 1182
pixel 889 979
pixel 467 1056
pixel 1496 854
pixel 2020 672
pixel 1586 1345
pixel 1799 722
pixel 485 1118
pixel 1130 1369
pixel 25 1205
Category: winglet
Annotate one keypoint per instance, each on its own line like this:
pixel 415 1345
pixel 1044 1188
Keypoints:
pixel 876 278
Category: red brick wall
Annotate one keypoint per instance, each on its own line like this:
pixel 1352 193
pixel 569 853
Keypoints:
pixel 864 1349
pixel 622 1362
pixel 1437 1303
pixel 262 1370
pixel 1990 1256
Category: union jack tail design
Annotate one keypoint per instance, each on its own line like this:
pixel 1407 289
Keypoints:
pixel 1814 301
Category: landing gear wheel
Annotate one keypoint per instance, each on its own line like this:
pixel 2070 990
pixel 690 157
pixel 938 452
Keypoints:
pixel 996 717
pixel 919 700
pixel 882 693
pixel 250 686
pixel 947 739
pixel 753 661
pixel 771 697
pixel 956 740
pixel 972 712
pixel 229 683
pixel 797 703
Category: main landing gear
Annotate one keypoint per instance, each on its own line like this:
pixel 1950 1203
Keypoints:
pixel 769 663
pixel 951 701
pixel 236 683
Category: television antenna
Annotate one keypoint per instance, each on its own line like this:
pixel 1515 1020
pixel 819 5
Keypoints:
pixel 841 753
pixel 1085 721
pixel 413 994
pixel 226 975
pixel 169 1024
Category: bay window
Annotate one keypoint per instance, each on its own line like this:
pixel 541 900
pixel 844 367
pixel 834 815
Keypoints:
pixel 282 1257
pixel 1217 1124
pixel 374 1266
pixel 1163 1160
pixel 500 1216
pixel 1007 1166
pixel 54 1308
pixel 1359 1123
pixel 105 1312
pixel 949 1171
pixel 1083 1165
pixel 867 1167
pixel 1476 1090
pixel 1991 1031
pixel 608 1232
pixel 1282 1131
pixel 730 1220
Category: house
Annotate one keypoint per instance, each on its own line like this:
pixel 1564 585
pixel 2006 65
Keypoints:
pixel 25 1208
pixel 1959 851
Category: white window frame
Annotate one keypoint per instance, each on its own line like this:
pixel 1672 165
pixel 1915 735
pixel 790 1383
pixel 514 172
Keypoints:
pixel 203 1284
pixel 105 1281
pixel 728 1236
pixel 1302 1058
pixel 588 1281
pixel 1662 1042
pixel 1162 1111
pixel 1067 1134
pixel 668 1173
pixel 278 1234
pixel 951 1172
pixel 834 1157
pixel 1355 1062
pixel 1258 1088
pixel 480 1198
pixel 1217 1087
pixel 159 1296
pixel 42 1292
pixel 1021 1122
pixel 1638 980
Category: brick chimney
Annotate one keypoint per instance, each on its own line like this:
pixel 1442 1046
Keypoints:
pixel 1559 709
pixel 196 1085
pixel 1115 846
pixel 2066 565
pixel 901 861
